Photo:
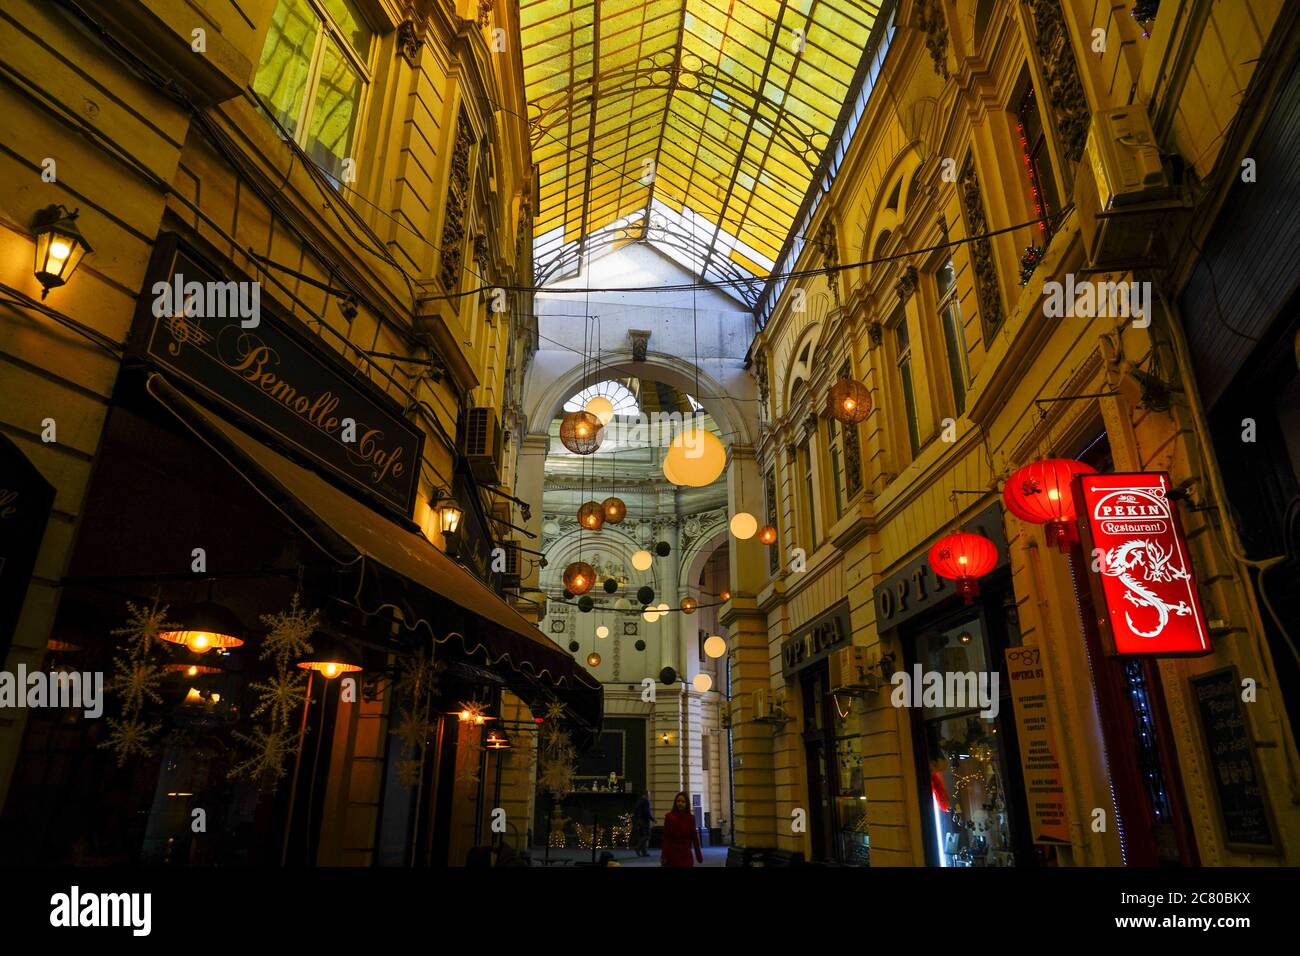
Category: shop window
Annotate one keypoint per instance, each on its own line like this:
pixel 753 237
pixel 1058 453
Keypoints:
pixel 965 759
pixel 1037 162
pixel 903 350
pixel 954 336
pixel 854 844
pixel 313 75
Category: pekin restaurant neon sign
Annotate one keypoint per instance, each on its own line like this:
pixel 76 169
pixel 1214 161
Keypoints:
pixel 1143 573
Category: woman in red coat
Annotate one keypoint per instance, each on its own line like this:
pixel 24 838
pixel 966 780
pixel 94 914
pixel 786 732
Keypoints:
pixel 680 836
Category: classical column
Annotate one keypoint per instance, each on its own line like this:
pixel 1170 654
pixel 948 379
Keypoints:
pixel 530 475
pixel 670 624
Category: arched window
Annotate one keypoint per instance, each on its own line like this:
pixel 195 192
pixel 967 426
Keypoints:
pixel 619 396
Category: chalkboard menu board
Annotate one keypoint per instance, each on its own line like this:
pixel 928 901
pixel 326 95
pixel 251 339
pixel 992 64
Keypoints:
pixel 1247 821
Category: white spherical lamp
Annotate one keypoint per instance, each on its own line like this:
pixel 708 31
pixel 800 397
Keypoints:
pixel 650 616
pixel 622 604
pixel 695 458
pixel 641 560
pixel 601 407
pixel 602 632
pixel 702 682
pixel 715 646
pixel 744 525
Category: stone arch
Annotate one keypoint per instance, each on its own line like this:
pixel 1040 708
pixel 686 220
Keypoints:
pixel 610 542
pixel 727 411
pixel 700 550
pixel 798 367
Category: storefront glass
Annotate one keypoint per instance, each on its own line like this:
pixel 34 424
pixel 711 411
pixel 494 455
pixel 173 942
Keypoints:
pixel 967 766
pixel 854 845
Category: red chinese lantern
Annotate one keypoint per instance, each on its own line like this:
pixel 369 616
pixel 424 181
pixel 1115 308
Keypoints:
pixel 965 558
pixel 1040 493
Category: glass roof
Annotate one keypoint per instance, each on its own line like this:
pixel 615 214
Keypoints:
pixel 695 125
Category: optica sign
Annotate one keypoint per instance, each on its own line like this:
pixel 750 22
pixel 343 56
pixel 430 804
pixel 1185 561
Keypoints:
pixel 1135 541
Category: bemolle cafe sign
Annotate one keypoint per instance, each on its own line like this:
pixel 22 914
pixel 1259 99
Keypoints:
pixel 1144 577
pixel 217 334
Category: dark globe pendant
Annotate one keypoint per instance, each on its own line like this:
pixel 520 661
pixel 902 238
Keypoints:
pixel 663 549
pixel 610 585
pixel 645 594
pixel 585 603
pixel 639 645
pixel 581 432
pixel 573 646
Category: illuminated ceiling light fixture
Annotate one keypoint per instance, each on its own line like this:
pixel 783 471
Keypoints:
pixel 696 457
pixel 743 525
pixel 601 407
pixel 581 432
pixel 591 516
pixel 848 401
pixel 205 626
pixel 579 577
pixel 715 646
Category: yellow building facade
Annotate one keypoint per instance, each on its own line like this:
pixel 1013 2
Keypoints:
pixel 927 270
pixel 367 163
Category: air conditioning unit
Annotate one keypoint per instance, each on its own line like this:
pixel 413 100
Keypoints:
pixel 1122 192
pixel 770 708
pixel 851 671
pixel 762 708
pixel 480 444
pixel 510 577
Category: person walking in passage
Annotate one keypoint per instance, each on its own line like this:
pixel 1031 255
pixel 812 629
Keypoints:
pixel 643 819
pixel 680 836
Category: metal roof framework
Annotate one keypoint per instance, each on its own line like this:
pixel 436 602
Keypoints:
pixel 697 126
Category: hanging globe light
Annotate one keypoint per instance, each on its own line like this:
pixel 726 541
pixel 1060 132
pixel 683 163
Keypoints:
pixel 662 608
pixel 650 615
pixel 622 604
pixel 593 659
pixel 695 458
pixel 1040 493
pixel 642 559
pixel 579 577
pixel 581 432
pixel 702 682
pixel 743 525
pixel 965 558
pixel 645 594
pixel 610 585
pixel 591 516
pixel 663 549
pixel 602 632
pixel 585 604
pixel 767 534
pixel 615 510
pixel 601 407
pixel 639 645
pixel 848 401
pixel 725 596
pixel 715 646
pixel 689 604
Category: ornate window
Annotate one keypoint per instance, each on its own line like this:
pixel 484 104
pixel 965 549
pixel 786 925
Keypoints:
pixel 313 77
pixel 954 336
pixel 619 395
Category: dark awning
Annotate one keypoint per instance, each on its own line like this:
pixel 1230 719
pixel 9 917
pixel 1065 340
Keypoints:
pixel 351 533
